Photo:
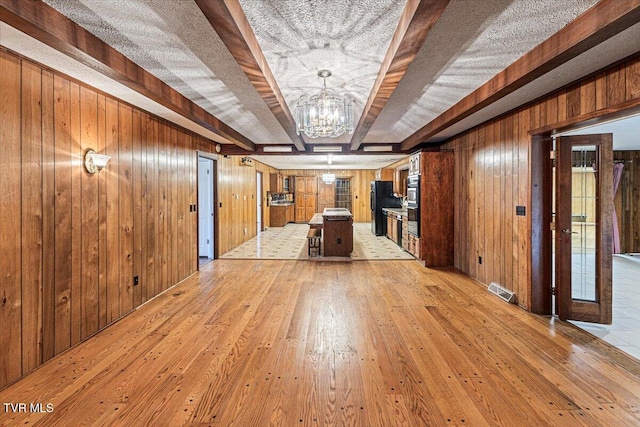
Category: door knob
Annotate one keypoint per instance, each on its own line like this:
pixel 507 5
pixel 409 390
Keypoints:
pixel 568 231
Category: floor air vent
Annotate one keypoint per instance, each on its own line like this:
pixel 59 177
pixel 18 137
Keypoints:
pixel 503 293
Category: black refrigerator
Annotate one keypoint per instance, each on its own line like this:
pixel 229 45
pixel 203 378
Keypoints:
pixel 382 197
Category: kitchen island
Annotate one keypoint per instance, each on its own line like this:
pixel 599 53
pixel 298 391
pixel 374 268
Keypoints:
pixel 337 234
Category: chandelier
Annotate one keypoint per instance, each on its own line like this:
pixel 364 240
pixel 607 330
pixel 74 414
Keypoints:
pixel 328 178
pixel 324 114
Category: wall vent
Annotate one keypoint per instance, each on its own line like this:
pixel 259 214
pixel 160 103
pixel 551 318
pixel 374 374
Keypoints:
pixel 503 293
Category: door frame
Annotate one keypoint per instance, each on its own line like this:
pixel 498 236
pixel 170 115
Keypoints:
pixel 216 234
pixel 540 202
pixel 259 193
pixel 598 311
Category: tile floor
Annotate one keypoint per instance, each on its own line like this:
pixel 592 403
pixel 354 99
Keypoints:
pixel 290 242
pixel 286 242
pixel 624 332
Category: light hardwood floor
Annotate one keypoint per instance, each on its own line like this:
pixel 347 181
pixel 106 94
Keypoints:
pixel 253 343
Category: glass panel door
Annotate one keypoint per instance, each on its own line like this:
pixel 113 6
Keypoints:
pixel 583 222
pixel 583 233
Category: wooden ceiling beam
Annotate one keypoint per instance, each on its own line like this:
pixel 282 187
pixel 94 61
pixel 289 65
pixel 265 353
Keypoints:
pixel 228 20
pixel 52 28
pixel 604 20
pixel 413 28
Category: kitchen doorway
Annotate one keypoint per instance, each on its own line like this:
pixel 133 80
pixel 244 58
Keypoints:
pixel 206 209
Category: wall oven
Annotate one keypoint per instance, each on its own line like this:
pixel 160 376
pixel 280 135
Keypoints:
pixel 413 205
pixel 413 191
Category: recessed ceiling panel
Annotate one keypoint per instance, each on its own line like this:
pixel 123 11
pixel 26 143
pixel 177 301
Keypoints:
pixel 348 37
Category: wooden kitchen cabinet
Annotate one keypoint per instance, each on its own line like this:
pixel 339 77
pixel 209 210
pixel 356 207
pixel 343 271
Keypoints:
pixel 405 233
pixel 276 183
pixel 279 183
pixel 277 216
pixel 384 174
pixel 306 194
pixel 281 215
pixel 392 228
pixel 413 246
pixel 337 233
pixel 435 245
pixel 414 164
pixel 290 214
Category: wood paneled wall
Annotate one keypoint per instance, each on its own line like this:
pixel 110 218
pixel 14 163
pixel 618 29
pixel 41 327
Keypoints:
pixel 71 242
pixel 627 201
pixel 360 187
pixel 237 192
pixel 492 176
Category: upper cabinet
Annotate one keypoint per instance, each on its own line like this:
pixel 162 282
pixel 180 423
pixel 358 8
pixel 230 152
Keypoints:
pixel 414 164
pixel 384 174
pixel 280 183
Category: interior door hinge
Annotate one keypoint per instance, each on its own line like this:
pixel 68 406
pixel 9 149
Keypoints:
pixel 553 290
pixel 552 154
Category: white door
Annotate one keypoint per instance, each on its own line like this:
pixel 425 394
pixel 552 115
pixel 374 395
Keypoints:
pixel 205 207
pixel 259 199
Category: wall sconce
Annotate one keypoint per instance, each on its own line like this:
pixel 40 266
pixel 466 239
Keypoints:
pixel 94 162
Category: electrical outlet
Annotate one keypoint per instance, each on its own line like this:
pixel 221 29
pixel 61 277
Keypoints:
pixel 479 260
pixel 136 281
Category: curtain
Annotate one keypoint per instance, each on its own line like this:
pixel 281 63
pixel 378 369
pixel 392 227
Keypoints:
pixel 617 176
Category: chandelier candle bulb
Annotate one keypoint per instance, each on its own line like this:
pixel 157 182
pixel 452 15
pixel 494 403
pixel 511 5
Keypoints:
pixel 325 114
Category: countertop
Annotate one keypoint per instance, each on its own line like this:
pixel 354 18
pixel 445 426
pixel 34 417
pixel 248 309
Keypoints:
pixel 399 211
pixel 336 212
pixel 282 204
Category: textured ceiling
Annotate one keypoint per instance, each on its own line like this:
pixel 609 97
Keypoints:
pixel 608 52
pixel 348 37
pixel 174 41
pixel 470 43
pixel 29 47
